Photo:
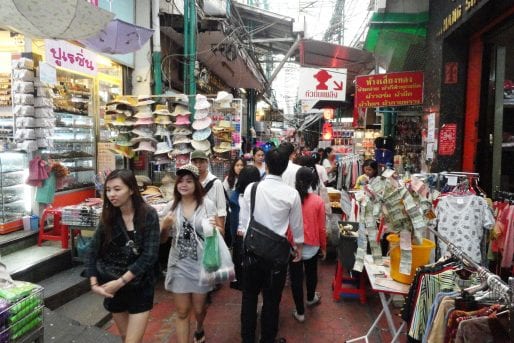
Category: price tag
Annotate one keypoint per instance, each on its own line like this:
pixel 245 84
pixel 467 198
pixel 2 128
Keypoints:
pixel 452 180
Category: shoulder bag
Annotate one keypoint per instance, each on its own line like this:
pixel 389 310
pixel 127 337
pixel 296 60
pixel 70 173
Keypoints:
pixel 263 242
pixel 115 261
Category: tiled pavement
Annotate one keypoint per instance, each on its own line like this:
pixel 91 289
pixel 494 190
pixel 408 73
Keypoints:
pixel 328 322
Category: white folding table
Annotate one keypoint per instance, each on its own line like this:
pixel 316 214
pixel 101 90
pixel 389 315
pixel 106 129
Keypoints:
pixel 381 282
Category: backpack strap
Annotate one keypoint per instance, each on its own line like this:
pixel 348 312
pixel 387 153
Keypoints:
pixel 252 198
pixel 209 185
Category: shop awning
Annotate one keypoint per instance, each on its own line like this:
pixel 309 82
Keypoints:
pixel 225 57
pixel 270 31
pixel 394 36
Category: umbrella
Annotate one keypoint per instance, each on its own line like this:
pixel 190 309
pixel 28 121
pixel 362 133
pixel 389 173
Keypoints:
pixel 118 37
pixel 63 19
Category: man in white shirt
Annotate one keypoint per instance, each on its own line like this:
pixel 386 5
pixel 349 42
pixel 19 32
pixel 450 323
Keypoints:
pixel 277 206
pixel 289 175
pixel 216 192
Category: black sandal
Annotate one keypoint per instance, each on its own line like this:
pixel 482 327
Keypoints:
pixel 199 337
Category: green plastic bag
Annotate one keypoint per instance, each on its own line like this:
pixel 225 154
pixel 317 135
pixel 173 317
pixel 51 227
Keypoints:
pixel 211 254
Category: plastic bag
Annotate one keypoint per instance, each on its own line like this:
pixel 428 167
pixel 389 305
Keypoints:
pixel 211 254
pixel 225 272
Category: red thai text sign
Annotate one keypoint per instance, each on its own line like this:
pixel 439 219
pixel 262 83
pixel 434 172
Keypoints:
pixel 447 139
pixel 392 89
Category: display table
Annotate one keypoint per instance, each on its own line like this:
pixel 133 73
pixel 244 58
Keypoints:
pixel 386 287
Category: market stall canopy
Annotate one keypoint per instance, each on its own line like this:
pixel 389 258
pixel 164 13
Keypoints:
pixel 271 31
pixel 63 19
pixel 225 57
pixel 398 40
pixel 118 37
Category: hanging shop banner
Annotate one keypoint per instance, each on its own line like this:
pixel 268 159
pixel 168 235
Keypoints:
pixel 322 84
pixel 392 89
pixel 447 139
pixel 59 53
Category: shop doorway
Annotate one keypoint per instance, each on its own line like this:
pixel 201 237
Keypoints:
pixel 496 125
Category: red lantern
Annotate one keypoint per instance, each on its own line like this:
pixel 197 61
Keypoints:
pixel 327 131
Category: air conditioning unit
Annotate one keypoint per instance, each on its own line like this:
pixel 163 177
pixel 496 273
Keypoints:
pixel 215 8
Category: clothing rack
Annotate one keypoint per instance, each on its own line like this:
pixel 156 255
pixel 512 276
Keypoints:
pixel 503 195
pixel 493 281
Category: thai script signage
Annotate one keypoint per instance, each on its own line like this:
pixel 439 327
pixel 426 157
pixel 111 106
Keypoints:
pixel 322 84
pixel 59 53
pixel 393 89
pixel 447 139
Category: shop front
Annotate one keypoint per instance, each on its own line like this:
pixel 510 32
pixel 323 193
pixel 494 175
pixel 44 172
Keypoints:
pixel 470 92
pixel 51 105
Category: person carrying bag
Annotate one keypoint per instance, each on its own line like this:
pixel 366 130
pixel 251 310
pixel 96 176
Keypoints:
pixel 264 243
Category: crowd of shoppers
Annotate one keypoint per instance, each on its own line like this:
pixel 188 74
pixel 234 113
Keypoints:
pixel 288 200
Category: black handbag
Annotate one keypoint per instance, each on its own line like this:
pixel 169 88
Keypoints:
pixel 263 242
pixel 113 264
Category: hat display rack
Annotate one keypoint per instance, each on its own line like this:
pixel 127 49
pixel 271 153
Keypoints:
pixel 143 130
pixel 226 127
pixel 167 133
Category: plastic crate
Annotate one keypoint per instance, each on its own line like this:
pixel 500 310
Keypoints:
pixel 81 215
pixel 22 316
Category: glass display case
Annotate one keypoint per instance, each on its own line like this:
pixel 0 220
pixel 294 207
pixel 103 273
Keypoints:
pixel 74 132
pixel 12 190
pixel 6 116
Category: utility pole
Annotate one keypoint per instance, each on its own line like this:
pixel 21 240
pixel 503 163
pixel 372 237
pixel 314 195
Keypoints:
pixel 190 51
pixel 335 31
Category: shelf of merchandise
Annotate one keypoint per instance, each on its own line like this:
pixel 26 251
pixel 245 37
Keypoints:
pixel 12 191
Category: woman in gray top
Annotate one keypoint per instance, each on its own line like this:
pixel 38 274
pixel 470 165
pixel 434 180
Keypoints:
pixel 184 223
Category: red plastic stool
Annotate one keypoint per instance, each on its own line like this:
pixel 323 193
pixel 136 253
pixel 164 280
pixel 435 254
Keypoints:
pixel 348 285
pixel 59 231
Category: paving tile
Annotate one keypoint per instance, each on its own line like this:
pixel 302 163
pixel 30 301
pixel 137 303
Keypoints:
pixel 330 321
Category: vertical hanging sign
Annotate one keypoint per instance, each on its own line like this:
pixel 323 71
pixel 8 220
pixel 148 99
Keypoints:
pixel 447 139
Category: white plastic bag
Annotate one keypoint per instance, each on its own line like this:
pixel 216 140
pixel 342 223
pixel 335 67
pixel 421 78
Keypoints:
pixel 225 273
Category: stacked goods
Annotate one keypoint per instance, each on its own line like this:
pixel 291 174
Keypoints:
pixel 81 215
pixel 21 310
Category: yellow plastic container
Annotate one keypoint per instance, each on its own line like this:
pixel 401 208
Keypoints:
pixel 420 257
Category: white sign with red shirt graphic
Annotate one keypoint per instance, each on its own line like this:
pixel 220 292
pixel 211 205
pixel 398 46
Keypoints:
pixel 322 84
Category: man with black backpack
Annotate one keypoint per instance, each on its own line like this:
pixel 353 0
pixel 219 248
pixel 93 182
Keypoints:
pixel 213 187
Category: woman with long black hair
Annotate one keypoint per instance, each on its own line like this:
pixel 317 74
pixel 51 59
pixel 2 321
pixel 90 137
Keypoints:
pixel 315 243
pixel 126 240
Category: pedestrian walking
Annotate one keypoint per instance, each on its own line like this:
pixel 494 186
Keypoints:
pixel 289 174
pixel 212 186
pixel 229 183
pixel 122 260
pixel 277 207
pixel 248 175
pixel 314 244
pixel 258 160
pixel 183 222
